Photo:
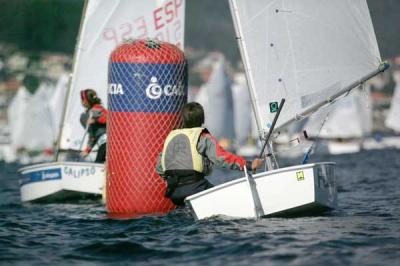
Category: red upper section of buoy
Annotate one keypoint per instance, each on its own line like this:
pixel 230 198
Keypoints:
pixel 147 51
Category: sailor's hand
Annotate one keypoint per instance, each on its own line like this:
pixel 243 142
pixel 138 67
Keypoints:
pixel 91 121
pixel 83 154
pixel 256 163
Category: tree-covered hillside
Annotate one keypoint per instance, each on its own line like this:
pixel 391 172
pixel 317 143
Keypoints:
pixel 52 25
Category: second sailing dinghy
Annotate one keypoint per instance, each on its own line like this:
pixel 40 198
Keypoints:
pixel 309 53
pixel 105 24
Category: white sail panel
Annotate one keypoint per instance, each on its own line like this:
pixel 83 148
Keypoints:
pixel 216 98
pixel 15 116
pixel 56 102
pixel 303 50
pixel 105 25
pixel 350 118
pixel 393 119
pixel 38 126
pixel 242 109
pixel 363 102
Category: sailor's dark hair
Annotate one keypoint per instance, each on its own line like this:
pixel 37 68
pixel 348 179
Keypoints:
pixel 90 96
pixel 193 115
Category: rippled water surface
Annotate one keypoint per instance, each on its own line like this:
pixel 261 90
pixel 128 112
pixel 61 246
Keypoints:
pixel 364 230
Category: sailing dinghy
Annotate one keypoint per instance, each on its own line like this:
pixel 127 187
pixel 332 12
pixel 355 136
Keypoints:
pixel 309 53
pixel 104 25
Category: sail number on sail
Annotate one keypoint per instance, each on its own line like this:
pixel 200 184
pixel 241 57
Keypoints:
pixel 139 27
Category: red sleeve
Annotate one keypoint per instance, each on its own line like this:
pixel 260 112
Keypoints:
pixel 102 119
pixel 209 146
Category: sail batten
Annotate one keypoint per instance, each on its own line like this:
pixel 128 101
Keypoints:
pixel 307 51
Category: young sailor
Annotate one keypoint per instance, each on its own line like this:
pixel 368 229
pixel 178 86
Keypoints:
pixel 94 120
pixel 190 153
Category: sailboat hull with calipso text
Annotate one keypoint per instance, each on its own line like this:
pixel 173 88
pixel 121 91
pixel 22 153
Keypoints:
pixel 309 53
pixel 61 181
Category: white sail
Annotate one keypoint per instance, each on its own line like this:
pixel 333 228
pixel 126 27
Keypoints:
pixel 106 24
pixel 393 119
pixel 56 102
pixel 363 102
pixel 350 118
pixel 15 113
pixel 38 129
pixel 303 51
pixel 216 97
pixel 242 109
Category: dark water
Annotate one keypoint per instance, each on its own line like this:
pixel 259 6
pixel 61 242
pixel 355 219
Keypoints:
pixel 364 230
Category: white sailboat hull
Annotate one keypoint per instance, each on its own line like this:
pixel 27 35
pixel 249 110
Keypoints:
pixel 338 147
pixel 344 148
pixel 248 150
pixel 389 142
pixel 61 181
pixel 297 190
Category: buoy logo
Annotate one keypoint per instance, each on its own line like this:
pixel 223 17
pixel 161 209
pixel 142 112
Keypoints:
pixel 114 88
pixel 154 91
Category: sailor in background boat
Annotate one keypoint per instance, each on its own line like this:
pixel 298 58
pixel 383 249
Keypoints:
pixel 190 153
pixel 94 120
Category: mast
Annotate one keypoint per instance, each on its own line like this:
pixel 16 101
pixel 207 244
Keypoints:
pixel 70 83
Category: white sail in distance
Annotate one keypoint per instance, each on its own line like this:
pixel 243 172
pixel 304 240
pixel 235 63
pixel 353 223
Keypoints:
pixel 39 131
pixel 216 98
pixel 106 24
pixel 242 109
pixel 393 119
pixel 56 102
pixel 350 118
pixel 15 116
pixel 302 50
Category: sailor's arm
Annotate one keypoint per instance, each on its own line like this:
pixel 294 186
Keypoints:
pixel 209 147
pixel 99 114
pixel 91 142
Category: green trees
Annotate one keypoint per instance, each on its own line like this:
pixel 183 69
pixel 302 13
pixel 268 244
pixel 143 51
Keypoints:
pixel 40 25
pixel 52 25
